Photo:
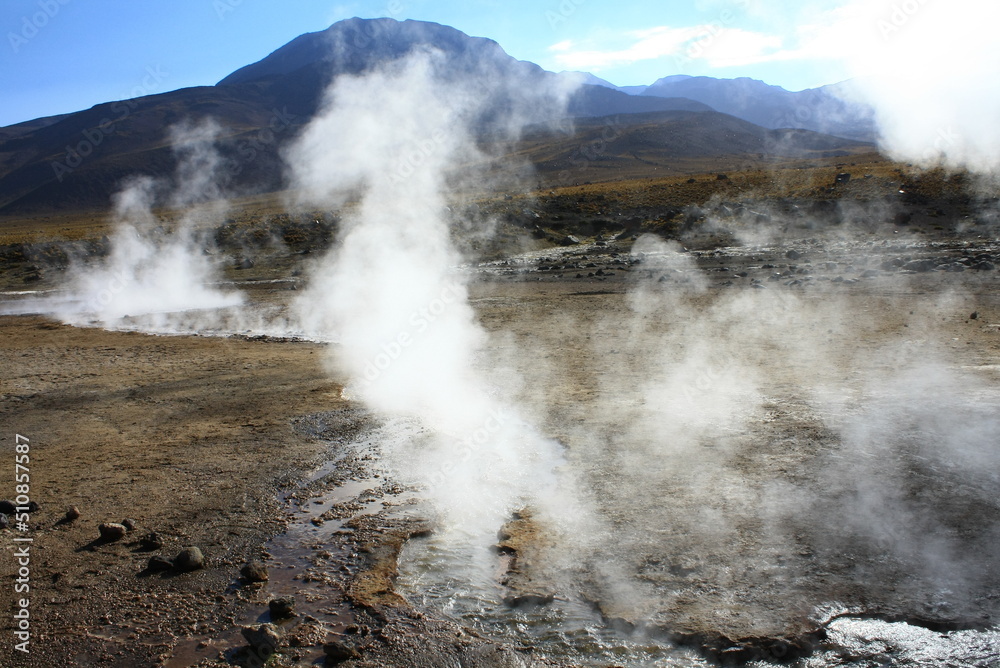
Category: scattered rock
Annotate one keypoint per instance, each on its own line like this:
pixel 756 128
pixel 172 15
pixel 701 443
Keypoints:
pixel 569 241
pixel 843 178
pixel 920 266
pixel 151 541
pixel 189 559
pixel 974 315
pixel 721 177
pixel 7 507
pixel 263 639
pixel 72 513
pixel 984 266
pixel 158 564
pixel 130 525
pixel 282 607
pixel 254 571
pixel 4 521
pixel 337 652
pixel 112 531
pixel 793 254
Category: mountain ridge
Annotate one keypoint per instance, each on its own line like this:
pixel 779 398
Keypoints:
pixel 80 159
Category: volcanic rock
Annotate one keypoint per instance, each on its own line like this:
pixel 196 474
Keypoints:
pixel 7 507
pixel 337 652
pixel 254 571
pixel 263 639
pixel 130 524
pixel 112 531
pixel 189 559
pixel 793 254
pixel 4 521
pixel 282 608
pixel 72 513
pixel 151 541
pixel 159 564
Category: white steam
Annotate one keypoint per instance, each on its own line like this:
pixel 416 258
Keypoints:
pixel 388 294
pixel 152 273
pixel 928 68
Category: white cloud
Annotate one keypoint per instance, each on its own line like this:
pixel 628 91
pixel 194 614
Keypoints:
pixel 645 45
pixel 720 46
pixel 928 67
pixel 731 47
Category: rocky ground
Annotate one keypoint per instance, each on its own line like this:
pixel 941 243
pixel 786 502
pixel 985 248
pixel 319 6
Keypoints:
pixel 244 448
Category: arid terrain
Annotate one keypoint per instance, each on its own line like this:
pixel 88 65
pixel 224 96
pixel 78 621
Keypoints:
pixel 775 422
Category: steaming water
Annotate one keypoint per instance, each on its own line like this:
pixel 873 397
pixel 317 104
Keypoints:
pixel 434 577
pixel 438 578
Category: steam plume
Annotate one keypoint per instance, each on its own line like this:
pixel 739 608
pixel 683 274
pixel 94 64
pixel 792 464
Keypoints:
pixel 390 297
pixel 152 272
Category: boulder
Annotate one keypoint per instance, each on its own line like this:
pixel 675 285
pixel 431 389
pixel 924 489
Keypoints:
pixel 189 559
pixel 112 531
pixel 254 571
pixel 151 541
pixel 282 607
pixel 337 652
pixel 263 639
pixel 158 564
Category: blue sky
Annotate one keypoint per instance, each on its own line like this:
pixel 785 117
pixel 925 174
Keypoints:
pixel 64 55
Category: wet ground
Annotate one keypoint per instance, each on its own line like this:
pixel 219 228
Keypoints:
pixel 785 451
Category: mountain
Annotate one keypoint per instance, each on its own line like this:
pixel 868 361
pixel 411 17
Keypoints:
pixel 78 160
pixel 355 45
pixel 821 109
pixel 673 142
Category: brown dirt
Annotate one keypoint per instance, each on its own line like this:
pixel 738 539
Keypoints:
pixel 210 442
pixel 188 436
